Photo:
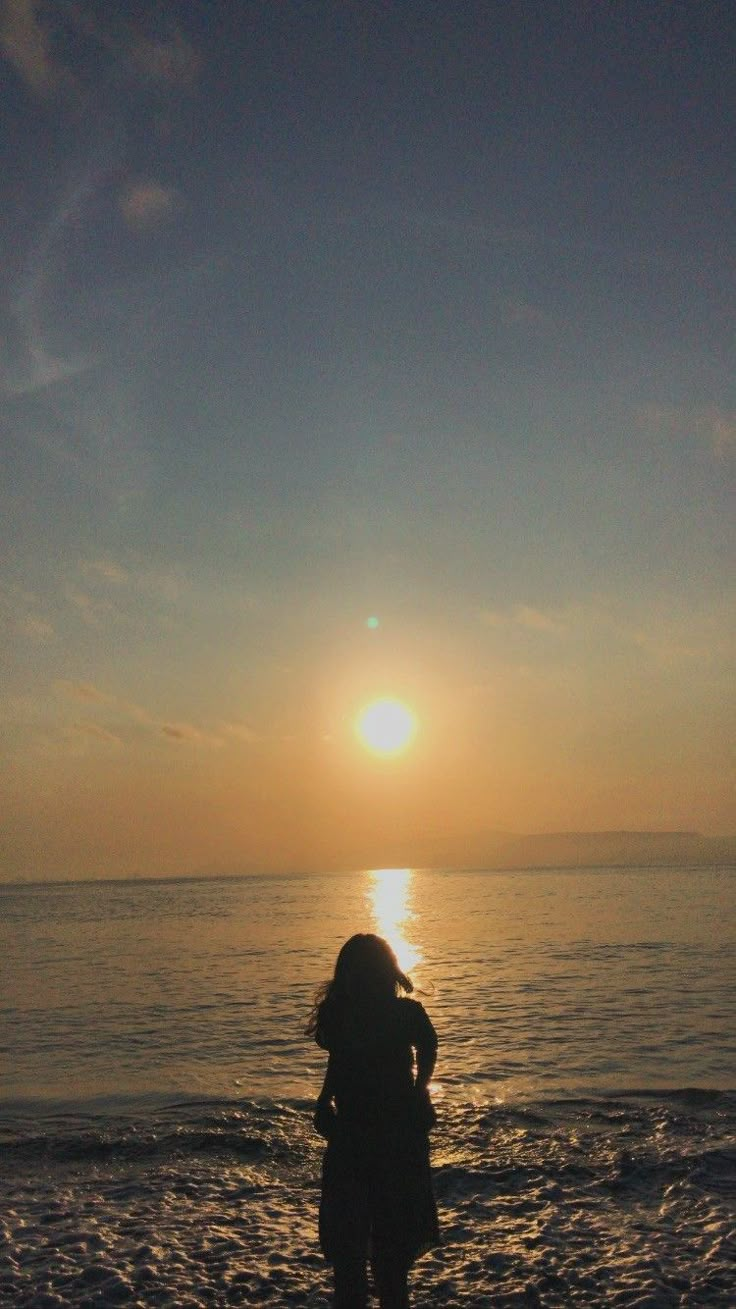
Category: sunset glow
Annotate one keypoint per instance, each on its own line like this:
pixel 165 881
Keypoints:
pixel 387 727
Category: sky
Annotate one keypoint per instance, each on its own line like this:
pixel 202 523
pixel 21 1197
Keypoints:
pixel 319 313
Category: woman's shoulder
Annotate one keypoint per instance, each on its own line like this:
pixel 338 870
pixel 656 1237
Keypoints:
pixel 410 1006
pixel 414 1012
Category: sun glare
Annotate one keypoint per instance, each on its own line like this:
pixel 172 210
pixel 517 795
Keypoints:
pixel 386 726
pixel 389 897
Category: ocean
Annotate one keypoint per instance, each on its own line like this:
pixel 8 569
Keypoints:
pixel 156 1086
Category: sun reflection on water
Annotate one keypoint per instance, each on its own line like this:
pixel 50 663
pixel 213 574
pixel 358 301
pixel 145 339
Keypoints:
pixel 389 897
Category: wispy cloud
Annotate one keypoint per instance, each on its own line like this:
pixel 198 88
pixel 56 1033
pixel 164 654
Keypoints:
pixel 670 636
pixel 33 366
pixel 126 711
pixel 718 430
pixel 120 52
pixel 83 691
pixel 523 313
pixel 105 591
pixel 187 732
pixel 84 604
pixel 27 39
pixel 94 610
pixel 522 616
pixel 536 620
pixel 171 61
pixel 145 204
pixel 107 569
pixel 102 590
pixel 106 588
pixel 239 732
pixel 98 732
pixel 664 648
pixel 35 628
pixel 712 427
pixel 19 612
pixel 25 42
pixel 22 710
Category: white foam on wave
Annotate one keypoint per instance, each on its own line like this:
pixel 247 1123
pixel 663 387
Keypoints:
pixel 582 1204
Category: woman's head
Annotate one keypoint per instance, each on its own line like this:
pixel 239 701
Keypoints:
pixel 366 973
pixel 367 968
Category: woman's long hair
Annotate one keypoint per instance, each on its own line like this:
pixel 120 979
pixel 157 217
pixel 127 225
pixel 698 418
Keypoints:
pixel 367 974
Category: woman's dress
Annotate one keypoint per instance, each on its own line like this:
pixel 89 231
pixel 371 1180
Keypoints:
pixel 376 1181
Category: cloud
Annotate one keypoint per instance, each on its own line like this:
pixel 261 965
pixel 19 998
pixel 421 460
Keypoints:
pixel 144 204
pixel 11 593
pixel 39 371
pixel 91 609
pixel 26 45
pixel 22 709
pixel 669 636
pixel 165 587
pixel 105 593
pixel 523 616
pixel 83 691
pixel 181 731
pixel 97 731
pixel 27 29
pixel 663 649
pixel 37 629
pixel 30 366
pixel 92 601
pixel 713 427
pixel 107 569
pixel 718 430
pixel 537 621
pixel 19 612
pixel 521 313
pixel 128 711
pixel 113 51
pixel 240 732
pixel 172 62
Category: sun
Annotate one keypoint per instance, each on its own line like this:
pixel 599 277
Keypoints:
pixel 386 726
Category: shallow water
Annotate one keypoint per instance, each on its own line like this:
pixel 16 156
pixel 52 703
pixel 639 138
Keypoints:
pixel 156 1085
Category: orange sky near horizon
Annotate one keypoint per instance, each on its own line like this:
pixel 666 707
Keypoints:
pixel 101 785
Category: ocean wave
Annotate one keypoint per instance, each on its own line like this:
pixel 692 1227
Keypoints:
pixel 183 1128
pixel 619 1134
pixel 133 1145
pixel 579 1202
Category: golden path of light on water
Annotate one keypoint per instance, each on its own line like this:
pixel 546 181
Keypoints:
pixel 389 897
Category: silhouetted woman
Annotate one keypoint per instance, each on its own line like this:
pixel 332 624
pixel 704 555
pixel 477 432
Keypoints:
pixel 375 1111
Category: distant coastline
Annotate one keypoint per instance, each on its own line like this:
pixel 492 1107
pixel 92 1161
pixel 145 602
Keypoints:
pixel 607 849
pixel 492 851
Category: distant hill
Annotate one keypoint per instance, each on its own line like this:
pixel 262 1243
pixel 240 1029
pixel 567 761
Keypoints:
pixel 499 850
pixel 577 849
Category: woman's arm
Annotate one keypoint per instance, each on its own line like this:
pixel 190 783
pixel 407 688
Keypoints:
pixel 326 1093
pixel 425 1044
pixel 426 1060
pixel 324 1114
